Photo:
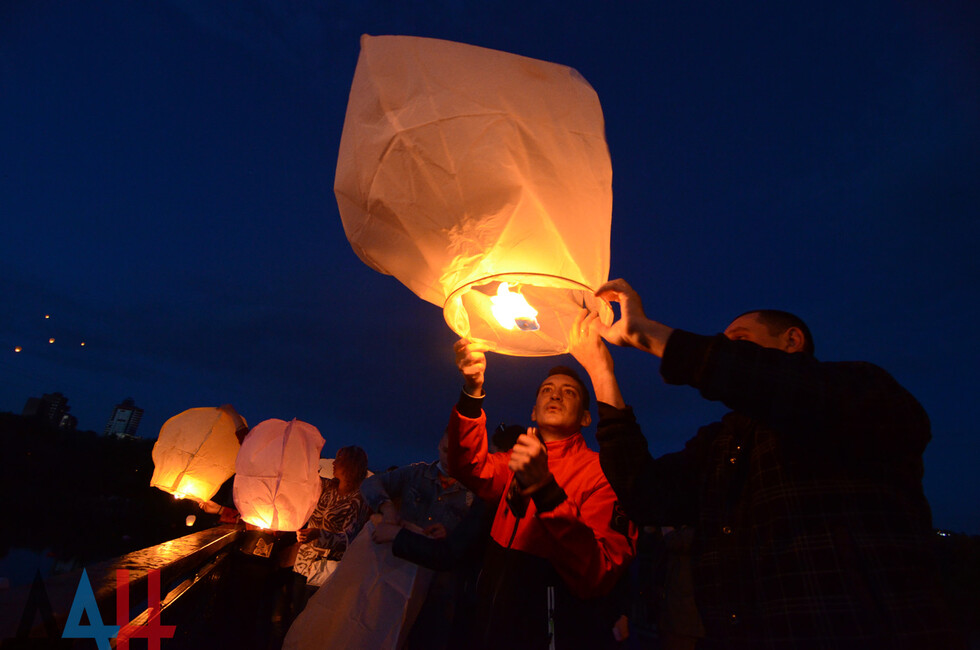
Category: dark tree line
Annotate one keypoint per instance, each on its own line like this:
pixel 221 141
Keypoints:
pixel 82 496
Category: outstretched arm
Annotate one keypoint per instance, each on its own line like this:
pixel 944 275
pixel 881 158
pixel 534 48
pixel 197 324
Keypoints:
pixel 469 462
pixel 587 347
pixel 380 490
pixel 633 329
pixel 464 544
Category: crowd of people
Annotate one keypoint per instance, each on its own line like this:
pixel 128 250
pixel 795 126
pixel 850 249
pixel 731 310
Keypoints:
pixel 796 521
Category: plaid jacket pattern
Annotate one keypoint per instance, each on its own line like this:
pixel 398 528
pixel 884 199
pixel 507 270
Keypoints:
pixel 812 530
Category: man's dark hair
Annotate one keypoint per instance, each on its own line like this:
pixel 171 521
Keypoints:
pixel 357 458
pixel 777 322
pixel 565 370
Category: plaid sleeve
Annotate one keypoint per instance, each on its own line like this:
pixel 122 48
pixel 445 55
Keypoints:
pixel 660 491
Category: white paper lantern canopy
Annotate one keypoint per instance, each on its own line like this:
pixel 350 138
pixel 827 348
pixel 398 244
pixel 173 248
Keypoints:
pixel 277 480
pixel 479 178
pixel 195 452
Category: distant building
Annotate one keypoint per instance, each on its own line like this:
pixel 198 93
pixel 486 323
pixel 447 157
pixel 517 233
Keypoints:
pixel 125 419
pixel 68 422
pixel 52 410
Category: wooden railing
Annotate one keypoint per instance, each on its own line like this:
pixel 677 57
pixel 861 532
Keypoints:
pixel 189 569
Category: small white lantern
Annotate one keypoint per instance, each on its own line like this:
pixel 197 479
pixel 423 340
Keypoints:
pixel 195 452
pixel 277 480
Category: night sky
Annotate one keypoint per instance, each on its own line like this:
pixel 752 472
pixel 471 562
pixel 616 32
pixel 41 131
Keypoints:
pixel 166 195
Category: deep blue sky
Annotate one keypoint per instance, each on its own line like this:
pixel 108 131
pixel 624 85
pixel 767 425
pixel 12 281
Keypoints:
pixel 166 194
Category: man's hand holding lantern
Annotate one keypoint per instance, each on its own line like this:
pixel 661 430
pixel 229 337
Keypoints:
pixel 585 344
pixel 633 329
pixel 471 359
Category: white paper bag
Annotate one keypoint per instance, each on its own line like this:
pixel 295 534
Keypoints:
pixel 369 601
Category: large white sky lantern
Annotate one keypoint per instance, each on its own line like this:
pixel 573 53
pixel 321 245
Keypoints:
pixel 277 480
pixel 195 452
pixel 479 179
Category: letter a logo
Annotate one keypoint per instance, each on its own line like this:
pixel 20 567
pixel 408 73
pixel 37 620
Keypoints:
pixel 84 603
pixel 37 603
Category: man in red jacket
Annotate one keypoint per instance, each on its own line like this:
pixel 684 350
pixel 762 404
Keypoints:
pixel 559 540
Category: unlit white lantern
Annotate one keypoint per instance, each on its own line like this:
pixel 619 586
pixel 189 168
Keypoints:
pixel 479 178
pixel 195 452
pixel 277 479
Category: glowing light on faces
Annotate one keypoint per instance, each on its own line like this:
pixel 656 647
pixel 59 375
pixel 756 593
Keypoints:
pixel 568 393
pixel 512 310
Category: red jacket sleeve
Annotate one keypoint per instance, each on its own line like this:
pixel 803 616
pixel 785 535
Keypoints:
pixel 469 460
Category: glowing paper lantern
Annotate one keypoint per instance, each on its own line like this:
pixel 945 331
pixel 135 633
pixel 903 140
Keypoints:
pixel 195 452
pixel 469 174
pixel 277 480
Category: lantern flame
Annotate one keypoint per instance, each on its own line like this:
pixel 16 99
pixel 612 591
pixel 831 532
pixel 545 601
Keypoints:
pixel 512 310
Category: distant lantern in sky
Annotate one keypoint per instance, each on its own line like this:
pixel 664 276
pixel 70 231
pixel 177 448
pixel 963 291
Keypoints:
pixel 481 180
pixel 51 340
pixel 18 349
pixel 277 479
pixel 195 452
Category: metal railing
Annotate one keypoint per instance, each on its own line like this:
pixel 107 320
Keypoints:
pixel 128 589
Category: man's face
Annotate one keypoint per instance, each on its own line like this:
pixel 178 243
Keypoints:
pixel 750 328
pixel 559 404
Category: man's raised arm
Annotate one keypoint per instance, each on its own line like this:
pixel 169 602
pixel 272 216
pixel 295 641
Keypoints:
pixel 588 349
pixel 469 461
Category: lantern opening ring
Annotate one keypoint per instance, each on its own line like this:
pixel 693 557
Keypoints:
pixel 558 300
